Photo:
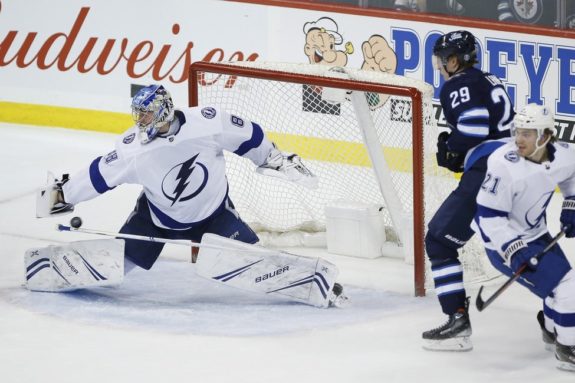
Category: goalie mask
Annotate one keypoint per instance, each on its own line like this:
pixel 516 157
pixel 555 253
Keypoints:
pixel 538 118
pixel 152 108
pixel 457 43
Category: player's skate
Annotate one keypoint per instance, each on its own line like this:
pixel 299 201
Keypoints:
pixel 547 336
pixel 454 335
pixel 337 297
pixel 565 357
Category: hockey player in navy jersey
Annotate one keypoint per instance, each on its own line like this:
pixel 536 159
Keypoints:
pixel 520 181
pixel 177 157
pixel 478 112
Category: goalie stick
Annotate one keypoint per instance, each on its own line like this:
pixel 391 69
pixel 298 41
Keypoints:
pixel 482 304
pixel 181 242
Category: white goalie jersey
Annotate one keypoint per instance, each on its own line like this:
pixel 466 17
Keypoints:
pixel 182 172
pixel 516 192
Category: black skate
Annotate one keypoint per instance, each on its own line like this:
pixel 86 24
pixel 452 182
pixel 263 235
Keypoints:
pixel 454 335
pixel 565 357
pixel 547 336
pixel 337 297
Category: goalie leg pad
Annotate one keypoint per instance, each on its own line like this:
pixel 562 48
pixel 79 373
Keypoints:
pixel 248 267
pixel 76 265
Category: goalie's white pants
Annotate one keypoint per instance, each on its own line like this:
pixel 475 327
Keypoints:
pixel 248 267
pixel 75 265
pixel 562 305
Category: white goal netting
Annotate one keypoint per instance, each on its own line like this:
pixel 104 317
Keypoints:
pixel 308 109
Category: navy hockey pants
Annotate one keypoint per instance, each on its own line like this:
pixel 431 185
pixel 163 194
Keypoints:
pixel 449 230
pixel 225 222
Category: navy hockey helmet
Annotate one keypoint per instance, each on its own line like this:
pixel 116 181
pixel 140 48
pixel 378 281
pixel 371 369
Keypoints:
pixel 456 43
pixel 152 107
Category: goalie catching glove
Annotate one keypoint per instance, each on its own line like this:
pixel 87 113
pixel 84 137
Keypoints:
pixel 288 166
pixel 50 200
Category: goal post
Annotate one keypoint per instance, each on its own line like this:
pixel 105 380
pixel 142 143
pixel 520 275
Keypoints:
pixel 369 137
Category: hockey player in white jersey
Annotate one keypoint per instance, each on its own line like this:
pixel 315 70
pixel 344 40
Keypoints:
pixel 177 157
pixel 511 219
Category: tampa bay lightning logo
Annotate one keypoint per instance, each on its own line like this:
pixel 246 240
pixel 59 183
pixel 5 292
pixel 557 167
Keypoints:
pixel 536 213
pixel 208 112
pixel 129 138
pixel 185 181
pixel 512 156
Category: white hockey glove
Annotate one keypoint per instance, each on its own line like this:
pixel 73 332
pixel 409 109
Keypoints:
pixel 288 166
pixel 50 199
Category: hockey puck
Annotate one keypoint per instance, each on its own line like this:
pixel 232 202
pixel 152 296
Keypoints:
pixel 76 222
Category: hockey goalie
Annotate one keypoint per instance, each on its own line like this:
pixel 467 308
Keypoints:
pixel 177 157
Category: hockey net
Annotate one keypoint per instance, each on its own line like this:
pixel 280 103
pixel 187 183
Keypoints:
pixel 369 137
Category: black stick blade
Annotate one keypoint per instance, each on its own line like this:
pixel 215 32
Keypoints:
pixel 479 302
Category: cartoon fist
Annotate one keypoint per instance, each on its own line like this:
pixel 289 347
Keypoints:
pixel 378 55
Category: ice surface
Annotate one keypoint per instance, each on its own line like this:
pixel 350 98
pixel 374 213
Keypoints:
pixel 169 325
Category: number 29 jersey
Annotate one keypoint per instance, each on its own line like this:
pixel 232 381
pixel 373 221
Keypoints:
pixel 477 108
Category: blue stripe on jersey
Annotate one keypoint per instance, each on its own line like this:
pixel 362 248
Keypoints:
pixel 481 150
pixel 253 142
pixel 473 129
pixel 487 212
pixel 171 223
pixel 475 113
pixel 484 237
pixel 474 122
pixel 96 177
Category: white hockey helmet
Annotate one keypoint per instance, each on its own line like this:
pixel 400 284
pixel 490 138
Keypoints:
pixel 152 107
pixel 535 117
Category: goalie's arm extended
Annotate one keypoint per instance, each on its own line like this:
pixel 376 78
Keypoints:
pixel 247 139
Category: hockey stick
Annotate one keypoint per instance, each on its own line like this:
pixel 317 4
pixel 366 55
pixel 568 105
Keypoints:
pixel 181 242
pixel 482 304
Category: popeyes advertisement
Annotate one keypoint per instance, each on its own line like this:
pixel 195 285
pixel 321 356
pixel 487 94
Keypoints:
pixel 90 54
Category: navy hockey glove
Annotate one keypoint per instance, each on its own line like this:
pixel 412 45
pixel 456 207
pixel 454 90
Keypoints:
pixel 568 216
pixel 446 158
pixel 518 253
